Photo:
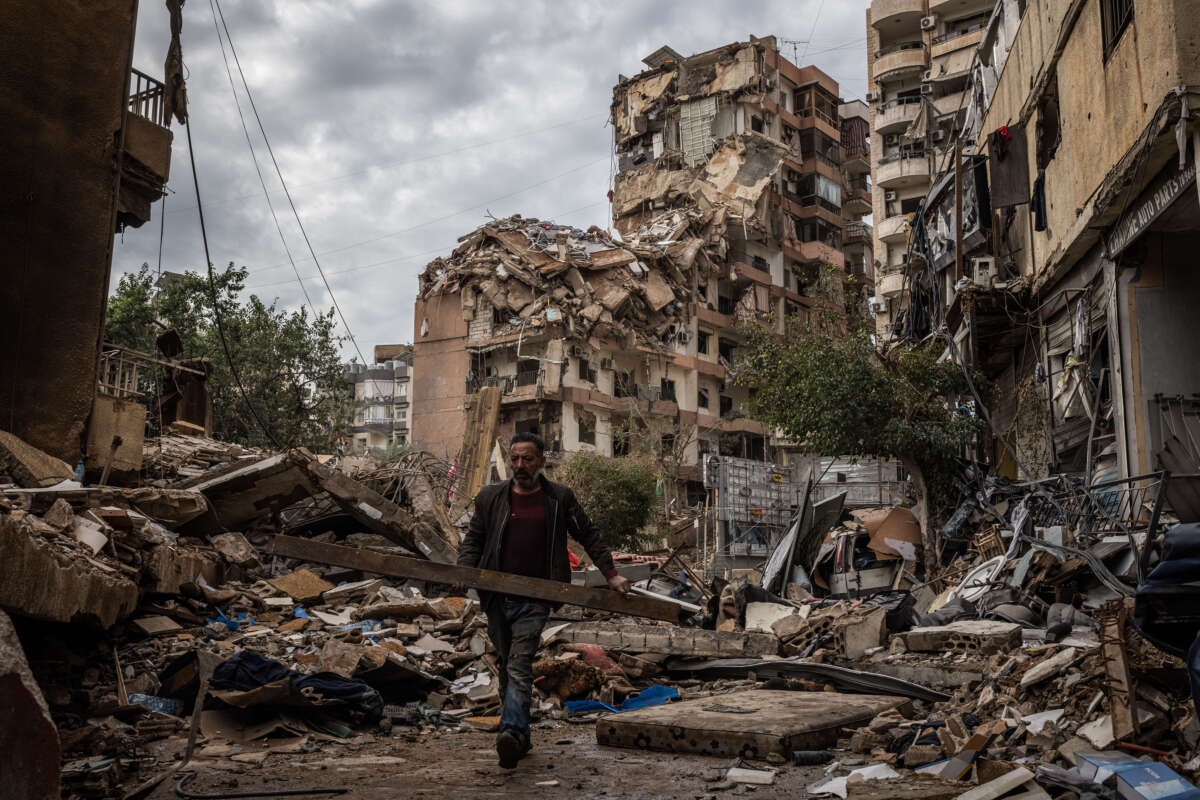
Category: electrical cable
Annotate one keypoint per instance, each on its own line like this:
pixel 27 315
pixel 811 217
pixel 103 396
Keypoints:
pixel 254 158
pixel 387 261
pixel 283 183
pixel 808 41
pixel 212 288
pixel 452 215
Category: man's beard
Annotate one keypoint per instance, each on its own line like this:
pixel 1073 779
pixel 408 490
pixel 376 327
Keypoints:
pixel 525 480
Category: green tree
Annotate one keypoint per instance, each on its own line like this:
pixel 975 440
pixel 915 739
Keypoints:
pixel 288 362
pixel 618 495
pixel 830 390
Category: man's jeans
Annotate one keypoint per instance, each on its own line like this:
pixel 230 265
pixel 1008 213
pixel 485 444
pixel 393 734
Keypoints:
pixel 515 627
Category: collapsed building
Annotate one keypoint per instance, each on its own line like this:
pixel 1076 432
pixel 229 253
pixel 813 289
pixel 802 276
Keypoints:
pixel 736 179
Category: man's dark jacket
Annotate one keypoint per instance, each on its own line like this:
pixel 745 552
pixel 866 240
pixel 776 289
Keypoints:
pixel 564 517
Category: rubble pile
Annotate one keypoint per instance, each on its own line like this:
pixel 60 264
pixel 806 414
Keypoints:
pixel 531 274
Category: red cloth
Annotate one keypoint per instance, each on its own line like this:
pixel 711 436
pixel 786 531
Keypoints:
pixel 526 545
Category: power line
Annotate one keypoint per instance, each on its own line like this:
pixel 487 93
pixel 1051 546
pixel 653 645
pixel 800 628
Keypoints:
pixel 807 41
pixel 283 183
pixel 429 157
pixel 254 158
pixel 412 256
pixel 451 215
pixel 212 288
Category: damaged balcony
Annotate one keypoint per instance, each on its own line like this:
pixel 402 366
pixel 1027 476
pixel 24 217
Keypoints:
pixel 899 58
pixel 146 162
pixel 902 169
pixel 886 15
pixel 897 114
pixel 893 230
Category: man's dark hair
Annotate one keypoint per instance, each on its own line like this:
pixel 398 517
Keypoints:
pixel 532 438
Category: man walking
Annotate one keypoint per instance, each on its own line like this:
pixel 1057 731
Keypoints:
pixel 521 526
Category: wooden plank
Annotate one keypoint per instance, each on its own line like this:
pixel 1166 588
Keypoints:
pixel 747 724
pixel 1119 684
pixel 487 580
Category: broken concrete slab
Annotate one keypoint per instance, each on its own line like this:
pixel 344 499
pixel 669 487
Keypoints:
pixel 29 744
pixel 1049 667
pixel 235 547
pixel 39 583
pixel 747 724
pixel 669 640
pixel 761 617
pixel 303 585
pixel 967 636
pixel 28 466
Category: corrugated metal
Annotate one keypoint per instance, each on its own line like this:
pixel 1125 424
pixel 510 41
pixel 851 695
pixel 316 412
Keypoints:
pixel 695 129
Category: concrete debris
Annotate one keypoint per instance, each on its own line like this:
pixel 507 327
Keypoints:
pixel 28 466
pixel 29 742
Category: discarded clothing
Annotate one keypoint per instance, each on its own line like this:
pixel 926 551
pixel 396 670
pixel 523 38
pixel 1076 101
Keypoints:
pixel 1037 202
pixel 656 695
pixel 233 681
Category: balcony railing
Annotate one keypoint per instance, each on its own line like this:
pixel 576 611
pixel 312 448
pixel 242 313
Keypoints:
pixel 527 377
pixel 896 48
pixel 856 232
pixel 148 99
pixel 945 37
pixel 810 111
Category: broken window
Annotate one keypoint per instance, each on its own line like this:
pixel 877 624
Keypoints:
pixel 1049 131
pixel 667 389
pixel 623 385
pixel 702 398
pixel 756 123
pixel 726 405
pixel 528 426
pixel 702 342
pixel 1115 16
pixel 527 372
pixel 725 304
pixel 587 426
pixel 760 263
pixel 725 349
pixel 586 371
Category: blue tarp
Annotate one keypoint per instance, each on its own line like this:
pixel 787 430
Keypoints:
pixel 656 695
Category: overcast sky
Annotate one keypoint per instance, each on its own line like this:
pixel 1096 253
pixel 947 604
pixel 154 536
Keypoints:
pixel 399 124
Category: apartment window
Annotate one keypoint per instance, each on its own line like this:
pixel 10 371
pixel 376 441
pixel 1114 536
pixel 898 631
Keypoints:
pixel 587 429
pixel 726 405
pixel 756 124
pixel 667 442
pixel 1115 16
pixel 725 350
pixel 527 372
pixel 702 398
pixel 623 385
pixel 667 387
pixel 586 372
pixel 702 342
pixel 724 304
pixel 402 390
pixel 402 414
pixel 527 426
pixel 758 262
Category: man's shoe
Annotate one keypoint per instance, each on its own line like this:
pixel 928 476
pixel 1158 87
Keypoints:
pixel 509 749
pixel 527 749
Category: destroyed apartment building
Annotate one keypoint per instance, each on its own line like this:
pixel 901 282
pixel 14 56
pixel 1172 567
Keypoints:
pixel 736 180
pixel 203 619
pixel 382 418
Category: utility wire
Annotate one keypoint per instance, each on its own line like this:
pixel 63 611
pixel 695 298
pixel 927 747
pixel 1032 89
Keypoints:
pixel 254 158
pixel 421 159
pixel 279 172
pixel 212 288
pixel 808 41
pixel 411 256
pixel 451 215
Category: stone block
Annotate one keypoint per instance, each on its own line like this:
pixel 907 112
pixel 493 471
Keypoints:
pixel 29 746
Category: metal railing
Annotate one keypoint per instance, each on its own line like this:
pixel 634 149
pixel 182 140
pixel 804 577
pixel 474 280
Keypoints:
pixel 896 48
pixel 148 99
pixel 855 231
pixel 945 37
pixel 899 101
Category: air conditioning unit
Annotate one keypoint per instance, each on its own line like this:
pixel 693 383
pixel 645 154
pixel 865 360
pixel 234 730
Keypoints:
pixel 576 351
pixel 891 139
pixel 984 270
pixel 873 97
pixel 606 363
pixel 877 305
pixel 926 88
pixel 928 23
pixel 889 196
pixel 927 76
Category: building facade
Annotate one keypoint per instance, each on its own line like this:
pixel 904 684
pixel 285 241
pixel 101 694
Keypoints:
pixel 1074 290
pixel 919 57
pixel 382 401
pixel 729 207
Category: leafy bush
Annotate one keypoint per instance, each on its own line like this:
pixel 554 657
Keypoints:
pixel 618 495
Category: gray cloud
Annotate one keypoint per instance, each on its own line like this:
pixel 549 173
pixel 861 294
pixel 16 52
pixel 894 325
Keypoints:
pixel 361 99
